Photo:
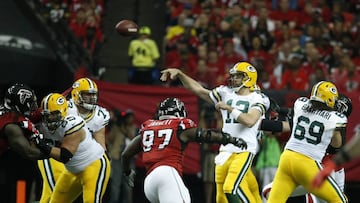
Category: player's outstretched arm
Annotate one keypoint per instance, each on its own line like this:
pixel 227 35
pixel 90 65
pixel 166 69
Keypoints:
pixel 20 144
pixel 211 136
pixel 188 82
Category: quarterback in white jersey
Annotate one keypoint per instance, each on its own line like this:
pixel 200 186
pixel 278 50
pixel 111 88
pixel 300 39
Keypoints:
pixel 86 164
pixel 315 125
pixel 241 108
pixel 243 103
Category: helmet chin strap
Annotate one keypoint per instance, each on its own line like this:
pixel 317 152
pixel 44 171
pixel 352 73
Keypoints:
pixel 88 106
pixel 236 89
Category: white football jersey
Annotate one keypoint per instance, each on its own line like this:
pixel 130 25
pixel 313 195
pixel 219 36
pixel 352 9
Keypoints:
pixel 96 120
pixel 88 150
pixel 312 131
pixel 243 103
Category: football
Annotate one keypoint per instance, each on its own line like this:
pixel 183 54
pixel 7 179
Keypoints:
pixel 127 28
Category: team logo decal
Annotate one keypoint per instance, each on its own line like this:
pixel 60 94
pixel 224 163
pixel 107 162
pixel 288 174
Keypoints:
pixel 60 101
pixel 251 69
pixel 333 90
pixel 76 85
pixel 24 94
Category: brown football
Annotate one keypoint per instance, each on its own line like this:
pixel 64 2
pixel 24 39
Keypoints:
pixel 127 28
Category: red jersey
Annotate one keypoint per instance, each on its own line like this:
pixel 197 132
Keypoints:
pixel 7 118
pixel 160 142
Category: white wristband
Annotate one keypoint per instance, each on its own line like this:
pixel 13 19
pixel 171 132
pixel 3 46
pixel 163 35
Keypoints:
pixel 235 113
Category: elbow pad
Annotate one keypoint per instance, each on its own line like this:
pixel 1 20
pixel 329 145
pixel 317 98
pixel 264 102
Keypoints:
pixel 65 155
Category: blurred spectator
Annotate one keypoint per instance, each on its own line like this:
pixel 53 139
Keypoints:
pixel 201 24
pixel 308 15
pixel 294 78
pixel 144 54
pixel 120 131
pixel 229 57
pixel 345 76
pixel 293 4
pixel 284 13
pixel 186 36
pixel 57 11
pixel 216 66
pixel 284 33
pixel 203 75
pixel 267 81
pixel 57 15
pixel 78 24
pixel 179 28
pixel 259 57
pixel 338 31
pixel 233 22
pixel 181 58
pixel 94 37
pixel 282 62
pixel 263 16
pixel 202 52
pixel 333 60
pixel 211 38
pixel 313 62
pixel 261 30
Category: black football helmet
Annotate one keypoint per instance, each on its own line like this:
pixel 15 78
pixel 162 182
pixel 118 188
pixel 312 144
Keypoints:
pixel 21 98
pixel 171 107
pixel 343 105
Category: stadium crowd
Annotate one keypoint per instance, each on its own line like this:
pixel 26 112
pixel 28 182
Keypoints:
pixel 292 43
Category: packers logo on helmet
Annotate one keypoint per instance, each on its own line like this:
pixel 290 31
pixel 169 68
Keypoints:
pixel 325 92
pixel 54 109
pixel 85 93
pixel 244 71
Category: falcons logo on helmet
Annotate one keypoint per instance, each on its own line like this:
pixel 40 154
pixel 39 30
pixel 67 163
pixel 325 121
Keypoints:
pixel 24 94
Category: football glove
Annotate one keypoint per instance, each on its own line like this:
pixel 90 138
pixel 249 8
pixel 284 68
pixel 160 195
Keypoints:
pixel 36 138
pixel 29 126
pixel 130 177
pixel 41 143
pixel 329 166
pixel 239 142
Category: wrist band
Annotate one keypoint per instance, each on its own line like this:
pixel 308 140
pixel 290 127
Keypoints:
pixel 235 113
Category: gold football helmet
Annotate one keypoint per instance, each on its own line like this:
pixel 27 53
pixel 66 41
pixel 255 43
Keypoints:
pixel 85 93
pixel 246 72
pixel 54 108
pixel 325 92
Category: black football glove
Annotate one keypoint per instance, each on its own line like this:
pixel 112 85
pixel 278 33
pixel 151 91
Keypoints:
pixel 239 142
pixel 41 143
